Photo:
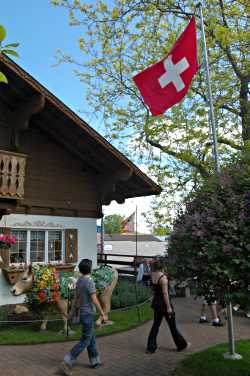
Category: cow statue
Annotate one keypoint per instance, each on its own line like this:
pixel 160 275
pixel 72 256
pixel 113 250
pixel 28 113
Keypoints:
pixel 43 285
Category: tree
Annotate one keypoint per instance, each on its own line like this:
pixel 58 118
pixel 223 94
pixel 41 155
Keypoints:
pixel 6 49
pixel 121 39
pixel 113 224
pixel 210 240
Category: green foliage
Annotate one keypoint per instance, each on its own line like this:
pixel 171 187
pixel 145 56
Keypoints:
pixel 30 334
pixel 113 224
pixel 211 362
pixel 7 50
pixel 210 241
pixel 121 38
pixel 125 292
pixel 160 230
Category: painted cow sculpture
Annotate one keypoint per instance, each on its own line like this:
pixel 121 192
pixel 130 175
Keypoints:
pixel 44 285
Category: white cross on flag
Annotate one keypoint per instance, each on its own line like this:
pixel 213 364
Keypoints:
pixel 165 83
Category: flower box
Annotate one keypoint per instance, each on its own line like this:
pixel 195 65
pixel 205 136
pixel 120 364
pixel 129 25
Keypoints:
pixel 64 267
pixel 5 257
pixel 12 274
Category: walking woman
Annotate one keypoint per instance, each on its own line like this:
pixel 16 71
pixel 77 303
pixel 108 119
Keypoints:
pixel 162 308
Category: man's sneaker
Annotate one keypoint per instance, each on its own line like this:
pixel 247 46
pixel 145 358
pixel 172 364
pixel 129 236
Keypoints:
pixel 203 321
pixel 96 365
pixel 65 369
pixel 217 323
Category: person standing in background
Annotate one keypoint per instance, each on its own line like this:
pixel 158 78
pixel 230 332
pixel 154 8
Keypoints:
pixel 144 272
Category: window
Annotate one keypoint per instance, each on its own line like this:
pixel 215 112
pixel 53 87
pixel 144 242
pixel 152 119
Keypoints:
pixel 18 252
pixel 55 246
pixel 37 246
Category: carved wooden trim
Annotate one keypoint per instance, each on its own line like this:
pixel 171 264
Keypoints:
pixel 107 182
pixel 20 118
pixel 71 246
pixel 12 175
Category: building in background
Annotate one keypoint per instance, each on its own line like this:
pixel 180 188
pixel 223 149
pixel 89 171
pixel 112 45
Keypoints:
pixel 128 225
pixel 125 244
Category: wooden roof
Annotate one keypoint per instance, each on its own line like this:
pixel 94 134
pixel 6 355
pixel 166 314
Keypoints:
pixel 73 133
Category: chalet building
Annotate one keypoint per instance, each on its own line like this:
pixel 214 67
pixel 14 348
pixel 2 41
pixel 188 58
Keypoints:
pixel 56 172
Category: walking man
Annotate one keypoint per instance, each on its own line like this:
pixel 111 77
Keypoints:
pixel 86 300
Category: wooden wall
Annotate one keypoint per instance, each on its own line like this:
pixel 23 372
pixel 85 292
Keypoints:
pixel 57 182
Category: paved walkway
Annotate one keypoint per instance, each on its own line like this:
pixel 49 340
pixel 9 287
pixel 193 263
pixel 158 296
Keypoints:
pixel 123 354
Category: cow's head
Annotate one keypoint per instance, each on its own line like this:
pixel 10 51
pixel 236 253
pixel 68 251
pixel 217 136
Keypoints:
pixel 24 283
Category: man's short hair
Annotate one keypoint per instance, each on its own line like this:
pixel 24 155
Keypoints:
pixel 85 266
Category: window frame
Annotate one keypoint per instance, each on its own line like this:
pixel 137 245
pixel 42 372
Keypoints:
pixel 46 240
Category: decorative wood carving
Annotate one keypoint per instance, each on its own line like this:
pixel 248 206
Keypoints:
pixel 71 246
pixel 19 119
pixel 12 174
pixel 106 184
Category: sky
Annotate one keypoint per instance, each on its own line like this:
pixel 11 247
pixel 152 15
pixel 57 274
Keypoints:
pixel 41 29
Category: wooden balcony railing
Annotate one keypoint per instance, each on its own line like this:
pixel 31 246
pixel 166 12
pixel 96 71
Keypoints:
pixel 12 174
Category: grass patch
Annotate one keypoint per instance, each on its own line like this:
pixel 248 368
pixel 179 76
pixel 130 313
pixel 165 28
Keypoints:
pixel 29 333
pixel 211 362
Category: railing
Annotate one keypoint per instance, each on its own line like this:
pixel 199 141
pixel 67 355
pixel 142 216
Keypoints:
pixel 131 266
pixel 12 174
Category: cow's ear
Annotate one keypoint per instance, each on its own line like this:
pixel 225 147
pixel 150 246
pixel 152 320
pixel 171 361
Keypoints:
pixel 30 269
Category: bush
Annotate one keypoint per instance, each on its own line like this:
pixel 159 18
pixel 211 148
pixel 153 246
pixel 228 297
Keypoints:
pixel 124 294
pixel 210 241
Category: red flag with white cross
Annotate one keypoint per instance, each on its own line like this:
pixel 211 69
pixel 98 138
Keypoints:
pixel 165 83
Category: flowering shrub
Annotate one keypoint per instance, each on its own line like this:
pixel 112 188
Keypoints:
pixel 211 239
pixel 6 241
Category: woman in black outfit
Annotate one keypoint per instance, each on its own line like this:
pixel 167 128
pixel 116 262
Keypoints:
pixel 162 308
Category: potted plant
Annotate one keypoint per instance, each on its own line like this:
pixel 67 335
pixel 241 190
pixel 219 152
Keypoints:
pixel 5 243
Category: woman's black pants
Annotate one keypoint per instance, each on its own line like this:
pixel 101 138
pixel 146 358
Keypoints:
pixel 177 337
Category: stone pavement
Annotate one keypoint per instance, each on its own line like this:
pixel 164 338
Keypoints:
pixel 123 354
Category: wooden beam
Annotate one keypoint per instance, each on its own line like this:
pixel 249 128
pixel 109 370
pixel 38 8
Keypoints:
pixel 19 119
pixel 107 184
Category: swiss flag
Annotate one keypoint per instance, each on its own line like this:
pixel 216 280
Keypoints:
pixel 165 83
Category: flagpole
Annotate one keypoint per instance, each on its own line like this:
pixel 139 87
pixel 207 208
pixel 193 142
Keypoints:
pixel 231 354
pixel 136 253
pixel 136 237
pixel 212 117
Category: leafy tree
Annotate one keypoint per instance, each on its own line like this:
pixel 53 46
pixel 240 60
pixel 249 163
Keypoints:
pixel 161 231
pixel 122 37
pixel 6 49
pixel 210 241
pixel 113 224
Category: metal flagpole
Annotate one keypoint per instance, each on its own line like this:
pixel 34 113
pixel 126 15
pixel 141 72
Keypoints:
pixel 211 111
pixel 231 354
pixel 136 253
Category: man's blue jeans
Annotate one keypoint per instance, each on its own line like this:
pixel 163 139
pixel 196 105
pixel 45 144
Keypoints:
pixel 87 340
